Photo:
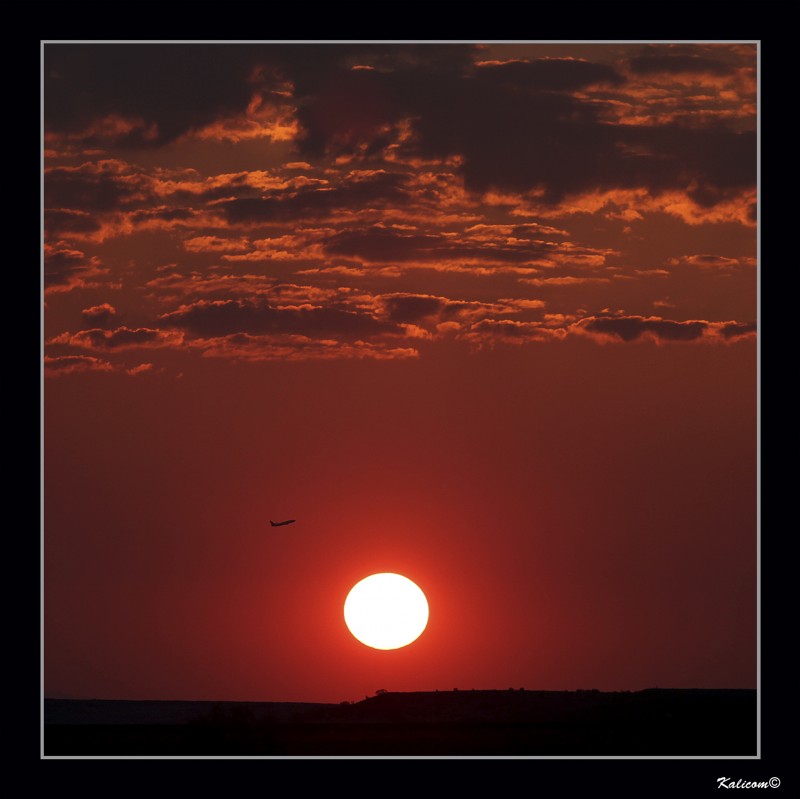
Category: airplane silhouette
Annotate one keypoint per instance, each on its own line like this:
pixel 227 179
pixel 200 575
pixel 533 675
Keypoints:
pixel 280 524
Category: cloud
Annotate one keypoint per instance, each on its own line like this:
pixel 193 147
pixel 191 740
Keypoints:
pixel 706 261
pixel 356 190
pixel 297 246
pixel 70 364
pixel 550 74
pixel 105 93
pixel 140 369
pixel 104 185
pixel 275 294
pixel 62 222
pixel 519 138
pixel 244 347
pixel 413 308
pixel 604 329
pixel 352 271
pixel 81 364
pixel 480 245
pixel 651 272
pixel 732 206
pixel 268 116
pixel 525 230
pixel 507 331
pixel 494 177
pixel 317 313
pixel 88 83
pixel 119 339
pixel 100 315
pixel 730 330
pixel 66 268
pixel 215 244
pixel 176 286
pixel 380 244
pixel 630 328
pixel 109 185
pixel 653 63
pixel 225 317
pixel 566 280
pixel 426 309
pixel 538 126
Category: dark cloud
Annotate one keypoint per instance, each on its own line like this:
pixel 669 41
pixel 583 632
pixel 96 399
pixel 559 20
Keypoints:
pixel 412 308
pixel 554 74
pixel 164 214
pixel 63 265
pixel 165 90
pixel 385 245
pixel 629 328
pixel 381 244
pixel 89 190
pixel 514 126
pixel 225 191
pixel 512 135
pixel 371 190
pixel 677 64
pixel 348 108
pixel 565 154
pixel 226 317
pixel 64 222
pixel 174 87
pixel 735 329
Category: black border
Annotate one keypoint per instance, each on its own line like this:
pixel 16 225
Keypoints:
pixel 774 24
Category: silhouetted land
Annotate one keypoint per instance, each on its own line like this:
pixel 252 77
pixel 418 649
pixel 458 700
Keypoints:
pixel 655 722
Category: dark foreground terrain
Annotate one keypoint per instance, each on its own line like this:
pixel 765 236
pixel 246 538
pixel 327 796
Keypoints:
pixel 654 722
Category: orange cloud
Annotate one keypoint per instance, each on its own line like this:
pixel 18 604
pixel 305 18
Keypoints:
pixel 628 204
pixel 122 338
pixel 112 128
pixel 70 364
pixel 491 332
pixel 245 347
pixel 215 244
pixel 263 119
pixel 566 280
pixel 81 364
pixel 706 261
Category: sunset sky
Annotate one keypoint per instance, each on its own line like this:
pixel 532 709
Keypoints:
pixel 480 314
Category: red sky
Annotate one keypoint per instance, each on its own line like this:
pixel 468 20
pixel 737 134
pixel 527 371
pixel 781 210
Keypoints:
pixel 483 315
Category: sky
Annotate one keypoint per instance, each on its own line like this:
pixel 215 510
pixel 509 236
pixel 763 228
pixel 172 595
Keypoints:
pixel 480 314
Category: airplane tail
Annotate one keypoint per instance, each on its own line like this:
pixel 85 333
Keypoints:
pixel 272 523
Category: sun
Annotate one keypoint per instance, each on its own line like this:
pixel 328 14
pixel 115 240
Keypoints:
pixel 386 611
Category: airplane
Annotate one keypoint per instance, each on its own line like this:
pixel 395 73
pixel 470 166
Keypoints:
pixel 280 524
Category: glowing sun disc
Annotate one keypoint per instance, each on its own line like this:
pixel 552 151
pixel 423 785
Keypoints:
pixel 386 611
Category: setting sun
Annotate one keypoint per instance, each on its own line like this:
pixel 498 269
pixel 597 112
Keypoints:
pixel 386 611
